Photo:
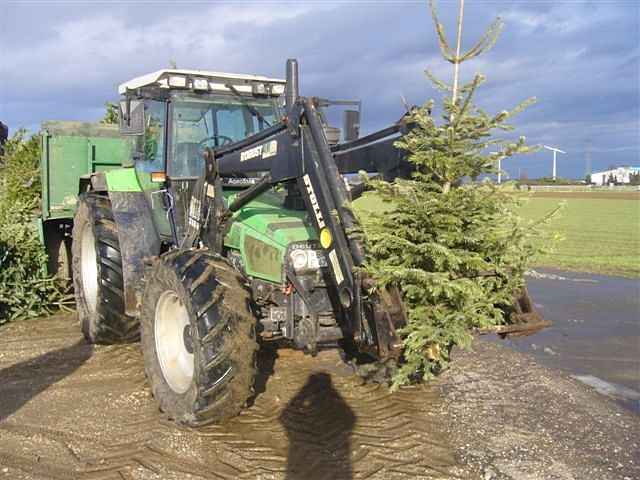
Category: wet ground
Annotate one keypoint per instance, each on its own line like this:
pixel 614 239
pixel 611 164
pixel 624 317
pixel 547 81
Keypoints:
pixel 72 411
pixel 69 411
pixel 596 330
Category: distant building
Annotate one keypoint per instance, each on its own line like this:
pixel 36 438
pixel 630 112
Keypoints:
pixel 619 175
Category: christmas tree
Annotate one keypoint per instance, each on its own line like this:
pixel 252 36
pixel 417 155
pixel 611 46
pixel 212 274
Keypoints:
pixel 454 245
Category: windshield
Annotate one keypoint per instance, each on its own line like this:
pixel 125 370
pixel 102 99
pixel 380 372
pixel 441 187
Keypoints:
pixel 213 121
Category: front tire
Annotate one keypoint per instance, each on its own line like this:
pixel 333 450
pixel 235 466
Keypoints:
pixel 97 274
pixel 198 337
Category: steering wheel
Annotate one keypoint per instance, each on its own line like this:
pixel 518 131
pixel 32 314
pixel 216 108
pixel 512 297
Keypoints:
pixel 224 138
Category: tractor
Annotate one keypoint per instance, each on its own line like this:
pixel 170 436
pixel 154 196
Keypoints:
pixel 231 226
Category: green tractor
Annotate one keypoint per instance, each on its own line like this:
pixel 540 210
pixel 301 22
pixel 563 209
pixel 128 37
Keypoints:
pixel 232 225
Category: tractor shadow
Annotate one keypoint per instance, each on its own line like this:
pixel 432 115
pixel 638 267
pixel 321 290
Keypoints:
pixel 265 362
pixel 23 381
pixel 318 423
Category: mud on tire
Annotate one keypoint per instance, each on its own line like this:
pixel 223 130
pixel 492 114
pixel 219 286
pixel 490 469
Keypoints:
pixel 218 331
pixel 97 274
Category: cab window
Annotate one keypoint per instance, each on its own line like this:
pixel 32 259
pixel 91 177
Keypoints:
pixel 153 144
pixel 213 121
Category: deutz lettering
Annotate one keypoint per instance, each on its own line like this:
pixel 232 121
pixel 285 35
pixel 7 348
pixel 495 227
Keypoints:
pixel 314 202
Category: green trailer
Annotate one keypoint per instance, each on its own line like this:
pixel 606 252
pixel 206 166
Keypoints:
pixel 71 152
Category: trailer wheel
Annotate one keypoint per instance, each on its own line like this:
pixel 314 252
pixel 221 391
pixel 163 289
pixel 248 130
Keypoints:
pixel 97 274
pixel 198 337
pixel 58 248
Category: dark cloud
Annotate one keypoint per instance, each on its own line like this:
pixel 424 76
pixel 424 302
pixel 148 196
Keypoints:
pixel 581 59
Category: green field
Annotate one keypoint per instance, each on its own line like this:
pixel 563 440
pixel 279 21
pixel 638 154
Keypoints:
pixel 601 235
pixel 601 231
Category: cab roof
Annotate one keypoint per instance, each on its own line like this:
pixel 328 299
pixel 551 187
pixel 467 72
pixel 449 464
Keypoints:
pixel 217 80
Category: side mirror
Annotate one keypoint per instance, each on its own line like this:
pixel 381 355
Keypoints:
pixel 131 115
pixel 351 125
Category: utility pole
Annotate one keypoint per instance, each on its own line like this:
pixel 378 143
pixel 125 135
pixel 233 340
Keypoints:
pixel 555 151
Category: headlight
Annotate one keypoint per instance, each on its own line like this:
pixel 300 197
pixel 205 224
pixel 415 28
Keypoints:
pixel 307 259
pixel 299 259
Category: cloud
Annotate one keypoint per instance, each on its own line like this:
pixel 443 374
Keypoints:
pixel 90 50
pixel 580 59
pixel 559 18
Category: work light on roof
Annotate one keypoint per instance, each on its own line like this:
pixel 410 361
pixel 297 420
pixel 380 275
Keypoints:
pixel 200 84
pixel 177 81
pixel 277 89
pixel 259 89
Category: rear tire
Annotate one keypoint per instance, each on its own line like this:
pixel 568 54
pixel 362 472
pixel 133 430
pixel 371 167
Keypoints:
pixel 198 337
pixel 97 274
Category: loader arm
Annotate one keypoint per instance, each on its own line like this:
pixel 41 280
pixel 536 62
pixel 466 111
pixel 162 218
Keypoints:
pixel 295 153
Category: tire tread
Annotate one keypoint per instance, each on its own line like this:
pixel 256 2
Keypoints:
pixel 109 323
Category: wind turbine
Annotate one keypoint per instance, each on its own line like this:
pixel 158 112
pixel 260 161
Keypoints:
pixel 555 151
pixel 499 158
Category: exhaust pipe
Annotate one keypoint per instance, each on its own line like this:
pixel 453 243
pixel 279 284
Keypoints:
pixel 292 92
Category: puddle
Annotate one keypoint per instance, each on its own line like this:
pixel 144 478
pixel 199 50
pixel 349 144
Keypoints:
pixel 596 331
pixel 609 389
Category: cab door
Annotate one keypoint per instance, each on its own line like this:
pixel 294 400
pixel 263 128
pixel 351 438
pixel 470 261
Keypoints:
pixel 151 157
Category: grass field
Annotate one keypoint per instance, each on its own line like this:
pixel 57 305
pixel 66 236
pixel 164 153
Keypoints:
pixel 601 231
pixel 601 234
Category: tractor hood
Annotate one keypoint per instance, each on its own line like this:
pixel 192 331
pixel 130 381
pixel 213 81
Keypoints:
pixel 261 232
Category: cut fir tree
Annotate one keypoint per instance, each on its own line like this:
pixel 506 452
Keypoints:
pixel 455 246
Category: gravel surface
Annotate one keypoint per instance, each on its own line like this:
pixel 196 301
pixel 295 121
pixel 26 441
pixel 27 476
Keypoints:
pixel 510 418
pixel 72 411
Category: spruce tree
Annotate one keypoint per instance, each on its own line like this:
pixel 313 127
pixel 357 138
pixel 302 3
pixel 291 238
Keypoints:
pixel 453 244
pixel 111 114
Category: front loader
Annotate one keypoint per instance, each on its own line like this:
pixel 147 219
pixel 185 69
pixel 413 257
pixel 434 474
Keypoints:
pixel 233 225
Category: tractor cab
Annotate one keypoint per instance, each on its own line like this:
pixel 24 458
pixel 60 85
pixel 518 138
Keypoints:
pixel 175 115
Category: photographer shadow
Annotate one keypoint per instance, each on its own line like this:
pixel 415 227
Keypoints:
pixel 319 423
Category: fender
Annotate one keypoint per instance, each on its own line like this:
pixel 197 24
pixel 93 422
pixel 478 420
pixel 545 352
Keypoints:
pixel 137 233
pixel 139 240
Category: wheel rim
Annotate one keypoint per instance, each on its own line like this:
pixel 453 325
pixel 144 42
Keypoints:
pixel 89 268
pixel 171 331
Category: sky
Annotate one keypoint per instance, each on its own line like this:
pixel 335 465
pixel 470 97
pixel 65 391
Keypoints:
pixel 63 60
